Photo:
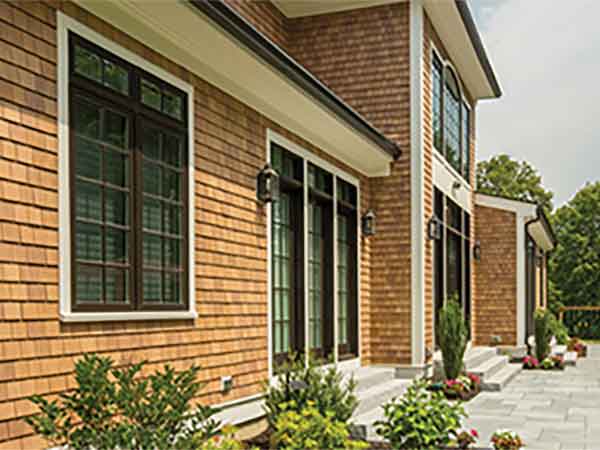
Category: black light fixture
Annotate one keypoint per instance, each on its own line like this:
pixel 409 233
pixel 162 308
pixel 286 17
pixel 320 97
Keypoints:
pixel 368 223
pixel 477 251
pixel 267 185
pixel 434 229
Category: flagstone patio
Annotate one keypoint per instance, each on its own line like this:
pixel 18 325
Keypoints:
pixel 550 410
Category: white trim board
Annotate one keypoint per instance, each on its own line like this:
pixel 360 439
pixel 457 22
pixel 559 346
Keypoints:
pixel 417 171
pixel 64 25
pixel 308 157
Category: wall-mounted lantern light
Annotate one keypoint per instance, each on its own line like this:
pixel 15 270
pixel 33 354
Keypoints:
pixel 368 223
pixel 434 229
pixel 477 251
pixel 267 185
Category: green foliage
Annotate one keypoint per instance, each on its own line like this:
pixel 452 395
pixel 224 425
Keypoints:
pixel 504 177
pixel 420 419
pixel 309 428
pixel 574 265
pixel 301 384
pixel 225 440
pixel 452 337
pixel 558 330
pixel 543 333
pixel 117 408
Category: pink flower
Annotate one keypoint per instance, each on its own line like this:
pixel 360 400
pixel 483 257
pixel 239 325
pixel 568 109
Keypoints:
pixel 474 433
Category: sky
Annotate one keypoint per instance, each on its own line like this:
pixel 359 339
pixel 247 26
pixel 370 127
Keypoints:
pixel 546 55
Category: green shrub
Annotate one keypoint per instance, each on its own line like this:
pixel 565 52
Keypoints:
pixel 116 408
pixel 558 330
pixel 543 333
pixel 225 440
pixel 420 419
pixel 301 384
pixel 308 428
pixel 452 338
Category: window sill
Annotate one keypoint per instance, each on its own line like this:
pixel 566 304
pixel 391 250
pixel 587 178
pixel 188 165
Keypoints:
pixel 127 316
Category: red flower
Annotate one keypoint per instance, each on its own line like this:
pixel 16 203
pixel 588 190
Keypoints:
pixel 474 433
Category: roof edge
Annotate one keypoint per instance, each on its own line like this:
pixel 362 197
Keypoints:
pixel 233 23
pixel 477 42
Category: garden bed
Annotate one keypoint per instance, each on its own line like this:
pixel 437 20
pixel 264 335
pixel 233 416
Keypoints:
pixel 464 388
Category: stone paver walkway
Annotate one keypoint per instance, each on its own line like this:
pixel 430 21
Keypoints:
pixel 550 410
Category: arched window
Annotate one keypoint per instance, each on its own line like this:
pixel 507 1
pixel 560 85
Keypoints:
pixel 450 117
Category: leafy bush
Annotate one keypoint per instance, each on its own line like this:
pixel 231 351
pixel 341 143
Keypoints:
pixel 116 408
pixel 558 330
pixel 225 440
pixel 308 428
pixel 301 384
pixel 420 419
pixel 543 335
pixel 452 337
pixel 464 439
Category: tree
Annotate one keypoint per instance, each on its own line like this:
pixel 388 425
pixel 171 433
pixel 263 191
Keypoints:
pixel 575 263
pixel 505 177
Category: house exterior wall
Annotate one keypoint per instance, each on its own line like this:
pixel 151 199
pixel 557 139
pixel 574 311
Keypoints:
pixel 265 17
pixel 229 337
pixel 363 56
pixel 496 276
pixel 431 40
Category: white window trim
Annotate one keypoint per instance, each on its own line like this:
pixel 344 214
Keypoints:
pixel 308 157
pixel 64 25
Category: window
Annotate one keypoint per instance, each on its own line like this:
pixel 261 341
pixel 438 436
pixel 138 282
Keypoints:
pixel 128 187
pixel 304 304
pixel 450 117
pixel 452 255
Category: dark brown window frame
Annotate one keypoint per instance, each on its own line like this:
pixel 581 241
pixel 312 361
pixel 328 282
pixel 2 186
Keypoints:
pixel 131 106
pixel 439 63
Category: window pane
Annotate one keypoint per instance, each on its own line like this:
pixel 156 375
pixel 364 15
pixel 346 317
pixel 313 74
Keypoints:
pixel 452 127
pixel 466 153
pixel 116 168
pixel 88 284
pixel 152 286
pixel 151 214
pixel 116 207
pixel 172 253
pixel 151 143
pixel 88 200
pixel 88 64
pixel 116 246
pixel 88 242
pixel 116 77
pixel 172 288
pixel 172 151
pixel 88 161
pixel 152 250
pixel 151 95
pixel 173 216
pixel 171 185
pixel 115 129
pixel 172 105
pixel 117 286
pixel 151 175
pixel 436 81
pixel 86 118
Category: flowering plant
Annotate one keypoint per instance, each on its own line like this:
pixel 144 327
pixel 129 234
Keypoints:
pixel 547 364
pixel 530 362
pixel 475 381
pixel 464 438
pixel 558 361
pixel 454 386
pixel 506 440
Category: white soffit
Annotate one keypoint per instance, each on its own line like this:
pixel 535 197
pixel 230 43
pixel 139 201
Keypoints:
pixel 446 20
pixel 294 8
pixel 183 35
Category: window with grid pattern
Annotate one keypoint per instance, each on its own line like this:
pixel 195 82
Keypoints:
pixel 127 188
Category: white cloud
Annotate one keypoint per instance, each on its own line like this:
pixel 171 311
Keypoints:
pixel 546 54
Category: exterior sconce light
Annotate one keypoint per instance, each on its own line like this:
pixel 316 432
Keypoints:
pixel 477 251
pixel 456 185
pixel 434 229
pixel 267 185
pixel 368 223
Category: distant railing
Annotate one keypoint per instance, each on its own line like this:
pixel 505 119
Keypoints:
pixel 563 309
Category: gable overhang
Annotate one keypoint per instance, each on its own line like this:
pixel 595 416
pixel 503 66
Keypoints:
pixel 533 218
pixel 455 26
pixel 213 42
pixel 303 8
